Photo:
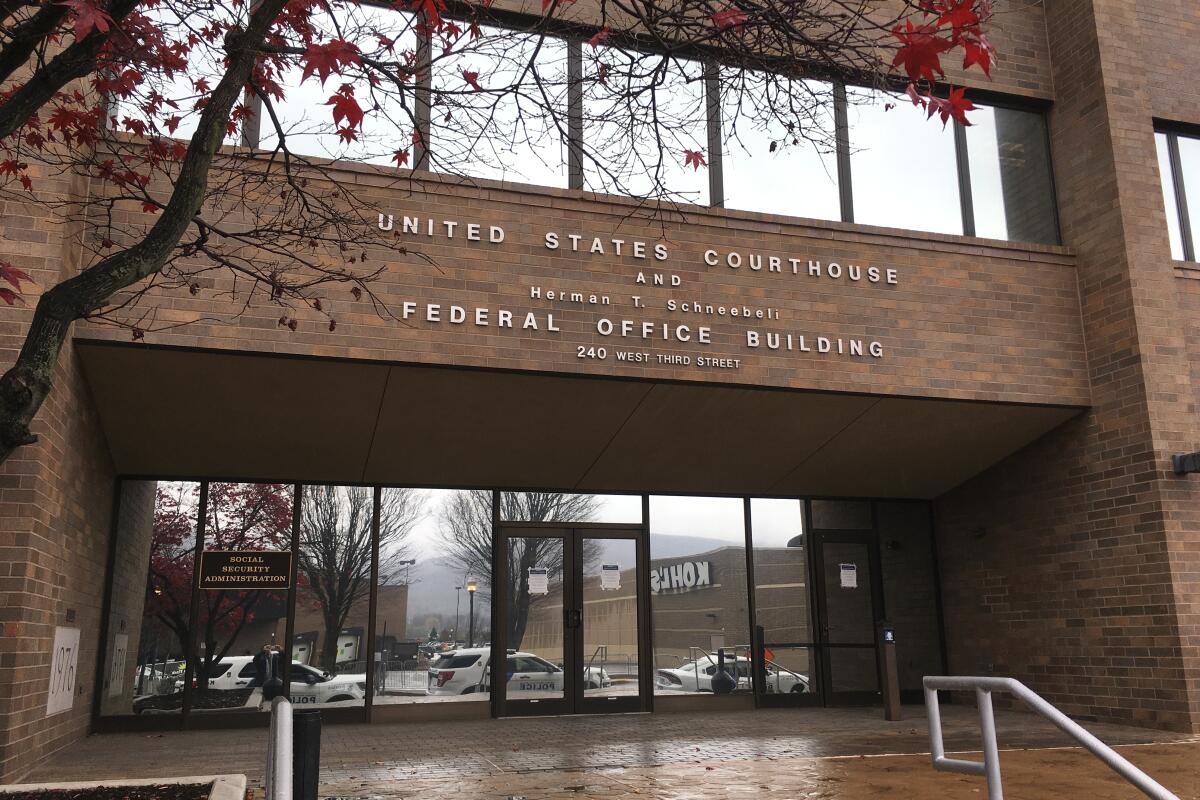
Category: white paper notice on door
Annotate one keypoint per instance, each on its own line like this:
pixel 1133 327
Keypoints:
pixel 849 575
pixel 610 577
pixel 539 580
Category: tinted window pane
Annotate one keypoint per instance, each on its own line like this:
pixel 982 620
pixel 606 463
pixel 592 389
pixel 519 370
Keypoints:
pixel 1170 204
pixel 504 130
pixel 235 625
pixel 306 118
pixel 558 507
pixel 149 624
pixel 892 187
pixel 639 122
pixel 779 161
pixel 698 590
pixel 1189 162
pixel 426 619
pixel 1011 188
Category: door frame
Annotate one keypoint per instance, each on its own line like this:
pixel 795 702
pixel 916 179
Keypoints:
pixel 819 538
pixel 574 700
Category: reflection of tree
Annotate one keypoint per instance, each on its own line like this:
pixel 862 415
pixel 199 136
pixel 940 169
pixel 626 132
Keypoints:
pixel 334 561
pixel 466 526
pixel 245 516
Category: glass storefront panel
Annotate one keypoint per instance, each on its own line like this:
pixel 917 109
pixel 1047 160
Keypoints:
pixel 560 507
pixel 330 640
pixel 149 619
pixel 609 625
pixel 236 625
pixel 781 594
pixel 698 594
pixel 432 631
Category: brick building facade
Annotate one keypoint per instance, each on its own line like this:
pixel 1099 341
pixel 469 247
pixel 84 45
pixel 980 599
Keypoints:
pixel 1029 396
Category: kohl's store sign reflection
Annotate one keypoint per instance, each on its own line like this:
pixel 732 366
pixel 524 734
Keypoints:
pixel 681 577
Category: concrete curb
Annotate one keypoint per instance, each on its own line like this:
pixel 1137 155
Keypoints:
pixel 224 787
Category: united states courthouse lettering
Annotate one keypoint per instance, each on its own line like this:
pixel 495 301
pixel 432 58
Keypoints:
pixel 944 392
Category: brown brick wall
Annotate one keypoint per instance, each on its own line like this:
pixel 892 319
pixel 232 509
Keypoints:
pixel 940 326
pixel 55 513
pixel 1072 564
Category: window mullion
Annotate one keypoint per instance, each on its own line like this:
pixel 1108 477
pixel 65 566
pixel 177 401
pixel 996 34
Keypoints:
pixel 574 114
pixel 712 97
pixel 842 134
pixel 961 160
pixel 424 91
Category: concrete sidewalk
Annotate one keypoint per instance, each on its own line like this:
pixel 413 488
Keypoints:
pixel 784 752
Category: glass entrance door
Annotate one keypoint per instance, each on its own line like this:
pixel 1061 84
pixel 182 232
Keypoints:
pixel 848 601
pixel 571 621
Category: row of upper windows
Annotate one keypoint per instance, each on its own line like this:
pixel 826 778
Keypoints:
pixel 889 166
pixel 1179 168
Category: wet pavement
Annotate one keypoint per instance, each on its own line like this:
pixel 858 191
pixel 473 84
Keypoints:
pixel 801 753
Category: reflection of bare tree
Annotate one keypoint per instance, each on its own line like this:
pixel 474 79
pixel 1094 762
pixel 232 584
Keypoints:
pixel 334 560
pixel 466 525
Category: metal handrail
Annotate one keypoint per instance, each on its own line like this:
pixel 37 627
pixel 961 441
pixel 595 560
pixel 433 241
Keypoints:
pixel 990 766
pixel 279 751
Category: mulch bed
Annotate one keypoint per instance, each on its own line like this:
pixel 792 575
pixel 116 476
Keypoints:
pixel 166 791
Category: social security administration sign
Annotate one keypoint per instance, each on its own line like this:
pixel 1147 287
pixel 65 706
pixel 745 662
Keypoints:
pixel 245 569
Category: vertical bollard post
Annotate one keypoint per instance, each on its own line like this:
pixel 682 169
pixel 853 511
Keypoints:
pixel 889 674
pixel 306 763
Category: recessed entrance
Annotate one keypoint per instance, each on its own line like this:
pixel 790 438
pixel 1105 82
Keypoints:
pixel 572 614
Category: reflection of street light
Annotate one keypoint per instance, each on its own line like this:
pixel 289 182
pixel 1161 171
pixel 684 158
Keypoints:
pixel 471 587
pixel 457 602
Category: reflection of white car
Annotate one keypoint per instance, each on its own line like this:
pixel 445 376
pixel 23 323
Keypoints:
pixel 696 676
pixel 465 671
pixel 309 684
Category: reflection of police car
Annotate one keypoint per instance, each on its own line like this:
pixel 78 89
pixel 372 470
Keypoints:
pixel 465 671
pixel 696 676
pixel 309 685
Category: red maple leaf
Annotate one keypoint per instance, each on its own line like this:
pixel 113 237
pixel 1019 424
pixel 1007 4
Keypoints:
pixel 694 159
pixel 326 59
pixel 149 208
pixel 10 297
pixel 87 17
pixel 599 37
pixel 473 79
pixel 958 14
pixel 13 275
pixel 978 52
pixel 919 51
pixel 201 85
pixel 954 107
pixel 345 109
pixel 729 18
pixel 347 134
pixel 431 9
pixel 26 183
pixel 400 157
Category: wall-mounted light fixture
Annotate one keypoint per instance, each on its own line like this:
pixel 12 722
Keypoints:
pixel 1185 463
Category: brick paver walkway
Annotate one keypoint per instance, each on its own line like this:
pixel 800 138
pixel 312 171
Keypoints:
pixel 799 752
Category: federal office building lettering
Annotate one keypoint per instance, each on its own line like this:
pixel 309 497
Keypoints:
pixel 780 416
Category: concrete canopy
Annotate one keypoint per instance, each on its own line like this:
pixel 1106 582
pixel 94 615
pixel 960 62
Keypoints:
pixel 170 412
